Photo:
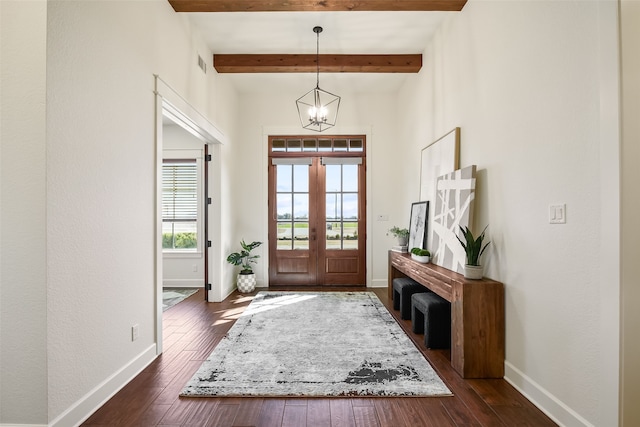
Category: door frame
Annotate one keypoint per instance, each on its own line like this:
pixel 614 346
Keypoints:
pixel 170 104
pixel 367 131
pixel 318 256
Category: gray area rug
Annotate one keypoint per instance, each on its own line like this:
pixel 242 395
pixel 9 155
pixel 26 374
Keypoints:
pixel 172 296
pixel 316 344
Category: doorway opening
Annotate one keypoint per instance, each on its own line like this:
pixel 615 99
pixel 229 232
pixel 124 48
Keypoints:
pixel 192 242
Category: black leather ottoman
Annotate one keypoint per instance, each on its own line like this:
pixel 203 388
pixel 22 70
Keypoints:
pixel 431 316
pixel 403 288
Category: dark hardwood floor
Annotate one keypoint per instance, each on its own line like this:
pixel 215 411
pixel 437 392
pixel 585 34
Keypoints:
pixel 193 328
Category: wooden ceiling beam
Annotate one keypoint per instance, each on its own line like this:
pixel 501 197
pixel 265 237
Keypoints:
pixel 254 63
pixel 315 5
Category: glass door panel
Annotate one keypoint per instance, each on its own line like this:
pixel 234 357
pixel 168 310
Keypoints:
pixel 292 201
pixel 292 260
pixel 341 194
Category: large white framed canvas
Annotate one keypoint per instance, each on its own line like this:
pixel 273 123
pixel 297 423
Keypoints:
pixel 455 194
pixel 438 158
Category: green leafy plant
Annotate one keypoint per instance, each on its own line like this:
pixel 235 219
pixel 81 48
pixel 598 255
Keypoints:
pixel 244 257
pixel 179 241
pixel 420 252
pixel 472 245
pixel 399 232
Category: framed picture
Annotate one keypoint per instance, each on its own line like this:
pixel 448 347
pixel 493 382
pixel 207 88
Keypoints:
pixel 418 225
pixel 439 158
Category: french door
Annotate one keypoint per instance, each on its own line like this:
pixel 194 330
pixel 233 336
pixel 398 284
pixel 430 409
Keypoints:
pixel 317 214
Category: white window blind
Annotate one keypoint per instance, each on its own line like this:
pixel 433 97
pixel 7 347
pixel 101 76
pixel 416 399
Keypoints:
pixel 341 161
pixel 292 161
pixel 179 190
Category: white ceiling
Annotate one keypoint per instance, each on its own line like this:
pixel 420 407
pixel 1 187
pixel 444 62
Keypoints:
pixel 292 33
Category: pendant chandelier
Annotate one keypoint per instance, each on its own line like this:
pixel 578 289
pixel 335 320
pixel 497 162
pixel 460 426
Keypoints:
pixel 318 109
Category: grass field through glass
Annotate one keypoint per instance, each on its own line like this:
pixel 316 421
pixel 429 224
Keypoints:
pixel 337 238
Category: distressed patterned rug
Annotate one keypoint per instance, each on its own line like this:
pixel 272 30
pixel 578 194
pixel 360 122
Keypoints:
pixel 316 344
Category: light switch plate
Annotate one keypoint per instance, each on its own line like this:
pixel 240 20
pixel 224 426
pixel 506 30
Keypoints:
pixel 558 214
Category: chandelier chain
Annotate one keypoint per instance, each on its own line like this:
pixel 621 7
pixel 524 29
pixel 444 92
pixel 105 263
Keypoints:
pixel 318 56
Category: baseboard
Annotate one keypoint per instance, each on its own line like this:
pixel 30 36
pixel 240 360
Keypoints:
pixel 87 405
pixel 229 292
pixel 183 283
pixel 23 425
pixel 378 283
pixel 553 407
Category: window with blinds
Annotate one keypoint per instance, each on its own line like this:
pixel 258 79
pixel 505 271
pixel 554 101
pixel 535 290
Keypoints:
pixel 180 205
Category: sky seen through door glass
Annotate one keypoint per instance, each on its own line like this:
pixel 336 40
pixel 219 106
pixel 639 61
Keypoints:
pixel 335 184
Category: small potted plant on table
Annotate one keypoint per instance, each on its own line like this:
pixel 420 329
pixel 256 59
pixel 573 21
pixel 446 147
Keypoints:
pixel 246 280
pixel 402 234
pixel 473 248
pixel 421 255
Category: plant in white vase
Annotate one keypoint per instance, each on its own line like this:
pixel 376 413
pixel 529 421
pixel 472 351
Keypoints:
pixel 473 248
pixel 246 278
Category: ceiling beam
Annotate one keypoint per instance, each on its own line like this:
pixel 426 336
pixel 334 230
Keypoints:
pixel 315 5
pixel 254 63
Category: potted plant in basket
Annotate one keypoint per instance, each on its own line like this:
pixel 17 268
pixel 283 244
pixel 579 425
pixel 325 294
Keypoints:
pixel 402 234
pixel 473 248
pixel 246 278
pixel 421 255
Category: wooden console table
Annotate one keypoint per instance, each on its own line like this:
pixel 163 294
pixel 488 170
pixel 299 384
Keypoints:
pixel 477 314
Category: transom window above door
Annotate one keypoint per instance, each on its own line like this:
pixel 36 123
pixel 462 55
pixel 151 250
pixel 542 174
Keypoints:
pixel 336 145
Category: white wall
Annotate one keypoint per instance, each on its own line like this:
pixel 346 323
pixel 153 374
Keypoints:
pixel 630 383
pixel 527 83
pixel 23 302
pixel 101 59
pixel 271 113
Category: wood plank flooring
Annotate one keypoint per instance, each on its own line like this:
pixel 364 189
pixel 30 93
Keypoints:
pixel 192 329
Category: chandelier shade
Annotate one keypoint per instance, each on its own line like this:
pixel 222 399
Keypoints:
pixel 318 109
